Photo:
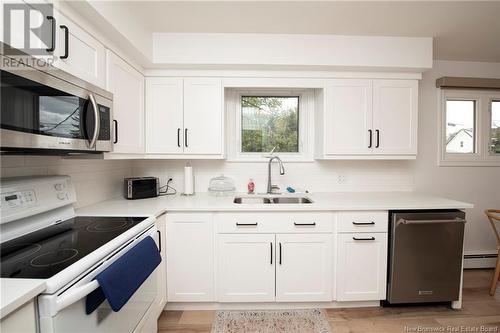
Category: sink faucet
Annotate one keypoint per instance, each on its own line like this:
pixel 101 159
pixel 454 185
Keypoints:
pixel 271 187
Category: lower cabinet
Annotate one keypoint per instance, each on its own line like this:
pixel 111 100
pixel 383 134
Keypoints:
pixel 304 267
pixel 274 267
pixel 161 299
pixel 246 267
pixel 190 266
pixel 361 266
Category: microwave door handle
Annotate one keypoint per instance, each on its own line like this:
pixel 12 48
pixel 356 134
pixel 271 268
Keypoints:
pixel 75 295
pixel 97 127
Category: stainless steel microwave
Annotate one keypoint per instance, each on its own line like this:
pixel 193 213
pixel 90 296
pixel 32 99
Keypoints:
pixel 50 111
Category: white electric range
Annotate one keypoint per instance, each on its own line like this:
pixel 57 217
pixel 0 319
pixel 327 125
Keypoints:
pixel 42 238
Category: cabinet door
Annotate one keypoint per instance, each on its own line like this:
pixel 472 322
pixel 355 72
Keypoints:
pixel 304 267
pixel 161 298
pixel 246 267
pixel 395 105
pixel 86 56
pixel 203 116
pixel 127 86
pixel 190 273
pixel 361 266
pixel 348 117
pixel 164 115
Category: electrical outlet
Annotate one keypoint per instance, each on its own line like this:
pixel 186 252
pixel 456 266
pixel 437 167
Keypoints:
pixel 341 179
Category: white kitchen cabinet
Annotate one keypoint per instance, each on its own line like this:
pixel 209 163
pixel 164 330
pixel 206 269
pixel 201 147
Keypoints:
pixel 246 267
pixel 127 86
pixel 190 264
pixel 348 118
pixel 164 115
pixel 21 320
pixel 304 267
pixel 184 117
pixel 361 272
pixel 203 116
pixel 86 56
pixel 161 298
pixel 395 105
pixel 371 119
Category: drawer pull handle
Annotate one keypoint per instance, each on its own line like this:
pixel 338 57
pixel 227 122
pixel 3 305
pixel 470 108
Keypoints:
pixel 304 224
pixel 364 239
pixel 246 224
pixel 363 223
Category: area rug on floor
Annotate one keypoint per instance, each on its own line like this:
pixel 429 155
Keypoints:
pixel 271 321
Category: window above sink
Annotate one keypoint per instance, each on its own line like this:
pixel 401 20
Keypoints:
pixel 260 120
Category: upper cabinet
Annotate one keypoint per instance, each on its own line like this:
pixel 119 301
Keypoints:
pixel 368 119
pixel 78 52
pixel 395 105
pixel 184 117
pixel 127 86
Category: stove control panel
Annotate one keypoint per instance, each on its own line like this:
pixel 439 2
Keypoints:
pixel 23 197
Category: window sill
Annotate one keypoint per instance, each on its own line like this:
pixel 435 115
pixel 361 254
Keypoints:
pixel 257 159
pixel 494 162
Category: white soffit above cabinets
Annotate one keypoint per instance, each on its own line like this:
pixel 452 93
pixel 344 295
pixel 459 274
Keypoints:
pixel 409 54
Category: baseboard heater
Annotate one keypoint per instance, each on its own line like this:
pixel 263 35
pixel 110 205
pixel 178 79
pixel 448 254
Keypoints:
pixel 486 260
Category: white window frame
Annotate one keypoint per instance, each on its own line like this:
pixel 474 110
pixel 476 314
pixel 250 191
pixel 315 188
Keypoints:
pixel 306 123
pixel 482 130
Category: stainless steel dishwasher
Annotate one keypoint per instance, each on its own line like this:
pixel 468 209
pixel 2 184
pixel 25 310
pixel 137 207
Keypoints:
pixel 425 256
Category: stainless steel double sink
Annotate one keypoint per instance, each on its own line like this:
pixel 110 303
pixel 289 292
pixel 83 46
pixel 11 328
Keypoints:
pixel 271 200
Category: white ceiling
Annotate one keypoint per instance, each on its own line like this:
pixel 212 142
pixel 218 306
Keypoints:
pixel 462 30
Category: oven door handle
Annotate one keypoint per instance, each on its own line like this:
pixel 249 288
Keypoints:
pixel 75 295
pixel 97 127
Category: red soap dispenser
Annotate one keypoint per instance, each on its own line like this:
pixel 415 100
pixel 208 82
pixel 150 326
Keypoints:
pixel 250 186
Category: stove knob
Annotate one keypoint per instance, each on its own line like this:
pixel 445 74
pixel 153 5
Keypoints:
pixel 61 196
pixel 59 186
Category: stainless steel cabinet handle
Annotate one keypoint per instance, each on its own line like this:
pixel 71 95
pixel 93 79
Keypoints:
pixel 97 128
pixel 271 246
pixel 364 239
pixel 53 43
pixel 246 224
pixel 363 223
pixel 304 224
pixel 377 132
pixel 371 136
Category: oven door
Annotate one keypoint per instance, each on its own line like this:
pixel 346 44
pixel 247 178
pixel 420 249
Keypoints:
pixel 65 312
pixel 42 111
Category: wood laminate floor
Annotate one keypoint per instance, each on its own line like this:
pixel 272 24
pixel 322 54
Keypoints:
pixel 480 313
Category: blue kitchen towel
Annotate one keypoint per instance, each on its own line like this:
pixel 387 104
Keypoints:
pixel 120 280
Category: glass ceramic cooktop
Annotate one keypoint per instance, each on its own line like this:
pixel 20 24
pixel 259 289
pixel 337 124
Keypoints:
pixel 46 252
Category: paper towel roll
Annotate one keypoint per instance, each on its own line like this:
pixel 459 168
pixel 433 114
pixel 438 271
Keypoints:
pixel 188 179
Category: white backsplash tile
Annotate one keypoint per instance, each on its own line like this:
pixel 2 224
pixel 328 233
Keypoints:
pixel 94 180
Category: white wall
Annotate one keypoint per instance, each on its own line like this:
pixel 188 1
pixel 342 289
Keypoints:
pixel 94 180
pixel 478 185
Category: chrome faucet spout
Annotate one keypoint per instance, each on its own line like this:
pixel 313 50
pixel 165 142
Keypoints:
pixel 270 186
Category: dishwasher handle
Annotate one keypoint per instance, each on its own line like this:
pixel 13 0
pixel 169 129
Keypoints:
pixel 405 221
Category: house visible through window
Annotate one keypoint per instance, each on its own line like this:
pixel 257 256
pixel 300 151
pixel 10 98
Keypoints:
pixel 460 126
pixel 270 122
pixel 495 128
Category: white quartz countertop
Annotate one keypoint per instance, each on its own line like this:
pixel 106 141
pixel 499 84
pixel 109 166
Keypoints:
pixel 332 201
pixel 16 292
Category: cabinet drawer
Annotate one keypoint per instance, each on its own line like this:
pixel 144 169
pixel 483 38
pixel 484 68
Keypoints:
pixel 274 223
pixel 369 221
